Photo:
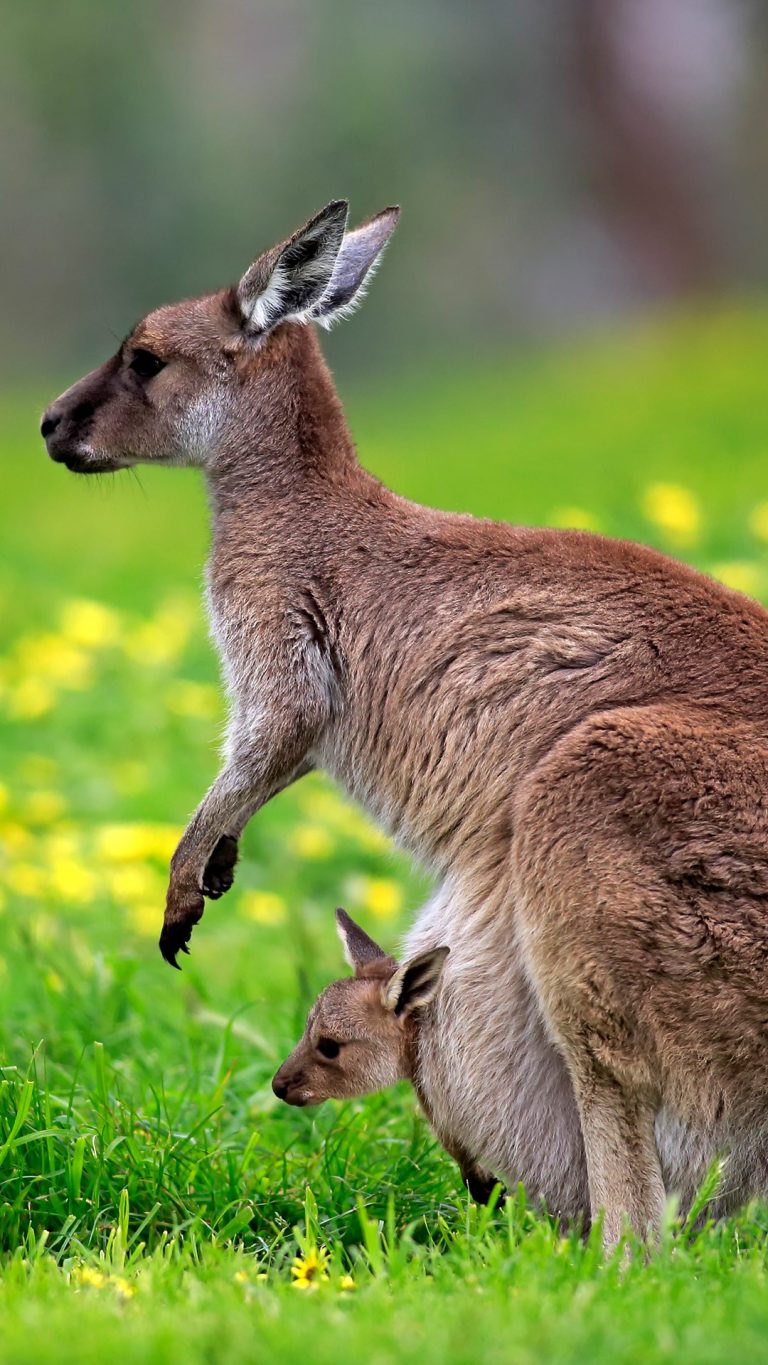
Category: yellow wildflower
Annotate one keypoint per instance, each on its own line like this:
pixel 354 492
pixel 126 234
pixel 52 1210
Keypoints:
pixel 44 807
pixel 14 836
pixel 346 1282
pixel 51 656
pixel 312 841
pixel 30 698
pixel 25 879
pixel 758 521
pixel 124 843
pixel 72 881
pixel 193 699
pixel 85 1274
pixel 741 575
pixel 674 510
pixel 240 1277
pixel 133 882
pixel 265 907
pixel 380 895
pixel 90 624
pixel 123 1288
pixel 309 1270
pixel 62 843
pixel 573 518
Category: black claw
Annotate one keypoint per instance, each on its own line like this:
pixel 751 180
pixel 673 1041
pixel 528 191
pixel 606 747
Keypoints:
pixel 184 949
pixel 170 946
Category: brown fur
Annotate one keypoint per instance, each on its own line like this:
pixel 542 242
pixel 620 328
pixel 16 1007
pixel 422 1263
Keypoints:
pixel 571 732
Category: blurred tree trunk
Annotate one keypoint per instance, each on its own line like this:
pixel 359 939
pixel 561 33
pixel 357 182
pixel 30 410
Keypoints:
pixel 641 168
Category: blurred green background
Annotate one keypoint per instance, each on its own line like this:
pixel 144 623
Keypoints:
pixel 569 328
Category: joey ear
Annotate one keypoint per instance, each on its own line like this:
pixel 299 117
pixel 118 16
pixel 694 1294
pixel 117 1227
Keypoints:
pixel 289 279
pixel 415 983
pixel 355 266
pixel 359 949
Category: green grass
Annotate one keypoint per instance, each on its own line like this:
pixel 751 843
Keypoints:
pixel 153 1194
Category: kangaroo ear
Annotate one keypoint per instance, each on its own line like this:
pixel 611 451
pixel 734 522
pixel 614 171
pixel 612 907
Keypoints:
pixel 289 279
pixel 355 267
pixel 415 983
pixel 359 949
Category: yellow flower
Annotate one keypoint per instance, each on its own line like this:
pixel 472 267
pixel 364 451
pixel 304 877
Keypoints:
pixel 758 521
pixel 380 895
pixel 89 623
pixel 133 882
pixel 44 807
pixel 123 1288
pixel 72 881
pixel 312 841
pixel 265 907
pixel 240 1277
pixel 741 575
pixel 346 1282
pixel 573 518
pixel 149 644
pixel 62 843
pixel 673 509
pixel 192 699
pixel 55 658
pixel 161 639
pixel 14 836
pixel 30 698
pixel 85 1274
pixel 124 843
pixel 25 879
pixel 309 1270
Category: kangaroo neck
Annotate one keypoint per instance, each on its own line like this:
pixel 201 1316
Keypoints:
pixel 287 432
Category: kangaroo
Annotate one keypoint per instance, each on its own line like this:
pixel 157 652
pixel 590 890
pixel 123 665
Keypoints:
pixel 570 732
pixel 385 1024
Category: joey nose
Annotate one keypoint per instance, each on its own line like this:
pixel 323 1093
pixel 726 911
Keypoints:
pixel 280 1087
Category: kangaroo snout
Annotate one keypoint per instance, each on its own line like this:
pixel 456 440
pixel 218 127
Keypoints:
pixel 291 1087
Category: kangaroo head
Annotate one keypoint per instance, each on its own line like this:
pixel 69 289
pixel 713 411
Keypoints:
pixel 356 1037
pixel 179 383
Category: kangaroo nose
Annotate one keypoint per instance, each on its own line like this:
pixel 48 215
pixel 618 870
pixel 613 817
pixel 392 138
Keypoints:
pixel 280 1087
pixel 49 423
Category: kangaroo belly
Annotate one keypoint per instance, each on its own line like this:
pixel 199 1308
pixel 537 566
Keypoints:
pixel 496 1084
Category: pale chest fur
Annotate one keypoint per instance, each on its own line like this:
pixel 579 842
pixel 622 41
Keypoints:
pixel 495 1083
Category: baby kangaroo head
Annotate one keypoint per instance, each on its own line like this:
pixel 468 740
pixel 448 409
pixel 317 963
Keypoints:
pixel 356 1037
pixel 193 375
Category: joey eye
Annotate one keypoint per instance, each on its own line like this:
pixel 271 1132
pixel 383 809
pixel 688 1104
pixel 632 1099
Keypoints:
pixel 145 364
pixel 328 1047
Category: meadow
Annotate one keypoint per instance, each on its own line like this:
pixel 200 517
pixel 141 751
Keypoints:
pixel 155 1199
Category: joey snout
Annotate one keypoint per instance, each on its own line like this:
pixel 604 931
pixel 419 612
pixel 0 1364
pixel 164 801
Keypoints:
pixel 290 1084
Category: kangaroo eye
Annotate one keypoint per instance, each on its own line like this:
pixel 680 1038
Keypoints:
pixel 328 1047
pixel 146 365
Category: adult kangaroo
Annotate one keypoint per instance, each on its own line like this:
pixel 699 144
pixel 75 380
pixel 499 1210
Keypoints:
pixel 570 731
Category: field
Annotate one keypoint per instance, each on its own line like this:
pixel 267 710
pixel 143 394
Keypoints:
pixel 155 1199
